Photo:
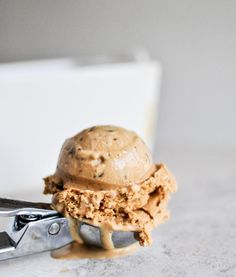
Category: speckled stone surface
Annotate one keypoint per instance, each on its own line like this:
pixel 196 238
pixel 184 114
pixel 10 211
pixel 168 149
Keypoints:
pixel 198 240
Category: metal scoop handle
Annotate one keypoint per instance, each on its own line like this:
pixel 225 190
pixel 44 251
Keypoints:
pixel 34 228
pixel 10 207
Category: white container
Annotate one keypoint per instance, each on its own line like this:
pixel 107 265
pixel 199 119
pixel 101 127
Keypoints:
pixel 41 104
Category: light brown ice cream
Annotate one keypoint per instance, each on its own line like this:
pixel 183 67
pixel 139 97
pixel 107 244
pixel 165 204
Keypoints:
pixel 105 177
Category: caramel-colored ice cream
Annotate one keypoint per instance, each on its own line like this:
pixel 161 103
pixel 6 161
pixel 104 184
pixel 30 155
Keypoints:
pixel 105 176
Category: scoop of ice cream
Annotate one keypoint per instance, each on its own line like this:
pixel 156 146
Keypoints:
pixel 104 154
pixel 105 177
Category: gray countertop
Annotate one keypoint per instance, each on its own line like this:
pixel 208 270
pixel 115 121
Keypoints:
pixel 198 240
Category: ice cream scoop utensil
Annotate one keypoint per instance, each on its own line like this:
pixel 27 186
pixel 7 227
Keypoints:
pixel 34 228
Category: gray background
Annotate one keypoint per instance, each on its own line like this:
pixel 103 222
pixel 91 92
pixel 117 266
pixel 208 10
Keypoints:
pixel 194 40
